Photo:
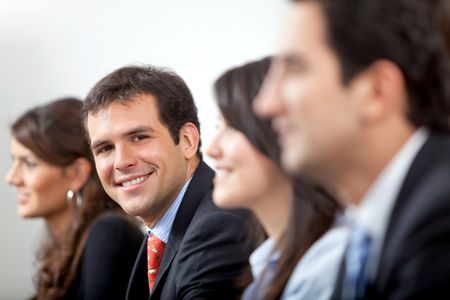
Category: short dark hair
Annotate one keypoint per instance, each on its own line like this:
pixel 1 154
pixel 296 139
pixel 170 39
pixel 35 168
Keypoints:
pixel 410 33
pixel 175 102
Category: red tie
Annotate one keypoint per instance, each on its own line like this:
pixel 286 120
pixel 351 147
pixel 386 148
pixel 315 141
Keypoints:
pixel 155 252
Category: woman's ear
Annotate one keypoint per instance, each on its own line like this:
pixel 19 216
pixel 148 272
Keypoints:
pixel 78 173
pixel 189 139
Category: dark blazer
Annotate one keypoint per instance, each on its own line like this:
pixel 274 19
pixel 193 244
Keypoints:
pixel 111 248
pixel 204 256
pixel 415 258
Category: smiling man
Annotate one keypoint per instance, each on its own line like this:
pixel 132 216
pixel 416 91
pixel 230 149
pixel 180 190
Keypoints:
pixel 144 134
pixel 360 97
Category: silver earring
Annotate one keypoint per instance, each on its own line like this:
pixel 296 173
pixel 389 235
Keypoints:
pixel 70 195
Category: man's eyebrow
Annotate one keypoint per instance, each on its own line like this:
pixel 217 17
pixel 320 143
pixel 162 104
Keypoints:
pixel 98 143
pixel 133 131
pixel 139 129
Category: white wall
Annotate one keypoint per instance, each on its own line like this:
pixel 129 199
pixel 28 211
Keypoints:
pixel 50 49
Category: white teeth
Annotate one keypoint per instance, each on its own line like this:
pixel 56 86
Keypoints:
pixel 134 181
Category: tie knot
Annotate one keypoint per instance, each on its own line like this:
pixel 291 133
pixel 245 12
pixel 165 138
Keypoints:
pixel 154 242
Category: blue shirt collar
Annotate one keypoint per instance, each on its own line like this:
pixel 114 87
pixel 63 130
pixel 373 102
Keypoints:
pixel 164 225
pixel 265 255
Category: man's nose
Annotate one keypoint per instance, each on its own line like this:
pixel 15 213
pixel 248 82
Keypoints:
pixel 124 157
pixel 268 101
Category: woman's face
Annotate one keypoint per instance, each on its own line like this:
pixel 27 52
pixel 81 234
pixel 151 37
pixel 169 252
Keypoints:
pixel 244 176
pixel 41 187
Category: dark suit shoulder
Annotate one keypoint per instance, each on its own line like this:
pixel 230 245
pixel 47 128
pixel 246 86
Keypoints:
pixel 212 255
pixel 218 222
pixel 112 226
pixel 426 188
pixel 111 247
pixel 414 263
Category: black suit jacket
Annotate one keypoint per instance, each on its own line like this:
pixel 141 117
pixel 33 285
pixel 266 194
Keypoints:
pixel 107 260
pixel 415 258
pixel 204 256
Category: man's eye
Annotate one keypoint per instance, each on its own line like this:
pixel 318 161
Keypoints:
pixel 103 149
pixel 139 137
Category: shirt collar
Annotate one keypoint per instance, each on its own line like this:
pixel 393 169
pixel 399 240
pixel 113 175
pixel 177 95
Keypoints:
pixel 164 225
pixel 376 205
pixel 374 212
pixel 264 255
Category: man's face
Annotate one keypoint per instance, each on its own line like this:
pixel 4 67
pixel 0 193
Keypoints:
pixel 136 158
pixel 313 112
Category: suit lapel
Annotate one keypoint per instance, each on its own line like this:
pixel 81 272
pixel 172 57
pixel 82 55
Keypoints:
pixel 200 184
pixel 138 283
pixel 424 159
pixel 427 157
pixel 169 254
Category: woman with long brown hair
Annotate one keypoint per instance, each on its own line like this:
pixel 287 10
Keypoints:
pixel 90 244
pixel 293 212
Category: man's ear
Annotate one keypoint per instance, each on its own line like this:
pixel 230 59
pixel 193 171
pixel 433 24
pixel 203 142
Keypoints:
pixel 189 139
pixel 78 173
pixel 384 91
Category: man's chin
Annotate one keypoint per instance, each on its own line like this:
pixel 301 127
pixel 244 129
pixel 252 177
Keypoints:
pixel 131 210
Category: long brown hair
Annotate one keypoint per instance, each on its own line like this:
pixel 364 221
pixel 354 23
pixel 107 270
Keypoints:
pixel 53 132
pixel 313 210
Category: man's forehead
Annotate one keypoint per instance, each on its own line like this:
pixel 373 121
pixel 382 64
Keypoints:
pixel 304 37
pixel 120 118
pixel 304 23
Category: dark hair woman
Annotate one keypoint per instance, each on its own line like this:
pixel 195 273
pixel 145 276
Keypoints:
pixel 294 213
pixel 90 244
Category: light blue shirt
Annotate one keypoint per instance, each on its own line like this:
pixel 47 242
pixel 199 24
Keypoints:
pixel 164 225
pixel 315 275
pixel 262 262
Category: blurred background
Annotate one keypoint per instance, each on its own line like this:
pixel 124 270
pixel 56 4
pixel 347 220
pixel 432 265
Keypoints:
pixel 50 49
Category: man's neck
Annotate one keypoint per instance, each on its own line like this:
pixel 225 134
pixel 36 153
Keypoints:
pixel 158 212
pixel 353 181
